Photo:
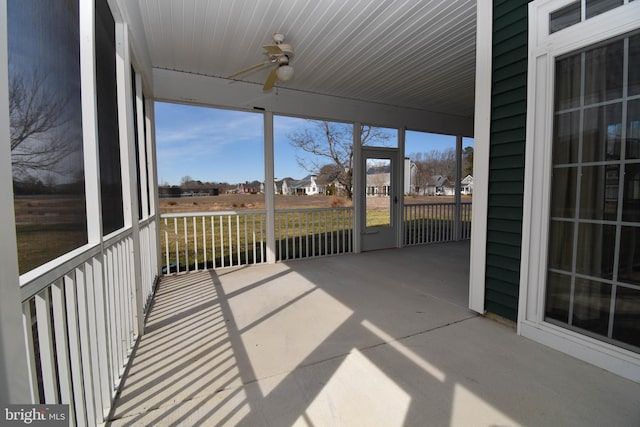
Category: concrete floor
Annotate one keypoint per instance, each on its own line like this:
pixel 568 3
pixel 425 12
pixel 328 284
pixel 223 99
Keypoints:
pixel 377 339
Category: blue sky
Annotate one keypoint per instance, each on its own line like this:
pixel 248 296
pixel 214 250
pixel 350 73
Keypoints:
pixel 210 144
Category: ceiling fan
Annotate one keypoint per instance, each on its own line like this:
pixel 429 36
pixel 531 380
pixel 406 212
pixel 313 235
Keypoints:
pixel 279 55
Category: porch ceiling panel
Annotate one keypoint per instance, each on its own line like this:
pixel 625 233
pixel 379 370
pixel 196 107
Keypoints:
pixel 415 53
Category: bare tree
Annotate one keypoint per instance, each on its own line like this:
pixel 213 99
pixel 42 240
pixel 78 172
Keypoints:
pixel 467 159
pixel 333 142
pixel 422 173
pixel 433 163
pixel 37 117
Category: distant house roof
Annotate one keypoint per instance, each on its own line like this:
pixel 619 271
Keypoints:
pixel 374 170
pixel 301 183
pixel 438 180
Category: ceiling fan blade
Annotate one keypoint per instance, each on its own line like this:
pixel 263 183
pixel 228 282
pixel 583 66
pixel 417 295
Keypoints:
pixel 273 49
pixel 246 70
pixel 271 80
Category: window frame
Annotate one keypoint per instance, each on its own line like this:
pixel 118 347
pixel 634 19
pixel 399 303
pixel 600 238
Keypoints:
pixel 544 49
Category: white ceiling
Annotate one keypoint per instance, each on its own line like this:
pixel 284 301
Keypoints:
pixel 410 53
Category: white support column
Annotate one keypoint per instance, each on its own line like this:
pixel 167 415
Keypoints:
pixel 152 167
pixel 14 376
pixel 269 193
pixel 128 165
pixel 482 128
pixel 458 187
pixel 357 187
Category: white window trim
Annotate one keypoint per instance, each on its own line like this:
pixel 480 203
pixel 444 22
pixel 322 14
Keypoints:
pixel 543 49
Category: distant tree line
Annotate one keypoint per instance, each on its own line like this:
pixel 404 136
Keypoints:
pixel 440 163
pixel 190 186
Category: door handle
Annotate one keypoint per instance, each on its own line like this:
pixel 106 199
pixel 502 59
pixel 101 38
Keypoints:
pixel 395 199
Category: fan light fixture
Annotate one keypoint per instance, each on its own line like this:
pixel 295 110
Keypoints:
pixel 278 55
pixel 285 72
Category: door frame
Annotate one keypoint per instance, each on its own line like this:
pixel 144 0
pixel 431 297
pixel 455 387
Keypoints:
pixel 392 237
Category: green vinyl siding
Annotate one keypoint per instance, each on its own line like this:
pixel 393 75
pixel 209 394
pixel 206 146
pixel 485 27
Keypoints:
pixel 506 158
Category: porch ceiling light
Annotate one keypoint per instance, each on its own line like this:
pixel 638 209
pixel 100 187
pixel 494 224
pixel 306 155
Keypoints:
pixel 285 72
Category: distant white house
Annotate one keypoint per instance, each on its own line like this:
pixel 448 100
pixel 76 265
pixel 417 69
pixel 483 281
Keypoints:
pixel 307 185
pixel 439 185
pixel 378 182
pixel 466 185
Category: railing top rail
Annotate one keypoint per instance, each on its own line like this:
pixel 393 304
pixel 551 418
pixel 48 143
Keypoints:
pixel 341 208
pixel 247 212
pixel 436 204
pixel 212 213
pixel 146 221
pixel 41 277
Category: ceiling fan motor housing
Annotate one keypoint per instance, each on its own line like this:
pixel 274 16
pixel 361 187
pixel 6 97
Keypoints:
pixel 287 50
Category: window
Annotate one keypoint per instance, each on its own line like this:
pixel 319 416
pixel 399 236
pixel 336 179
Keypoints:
pixel 46 129
pixel 572 13
pixel 593 280
pixel 108 130
pixel 580 269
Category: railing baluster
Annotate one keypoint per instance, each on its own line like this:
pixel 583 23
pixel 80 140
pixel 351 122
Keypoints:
pixel 326 236
pixel 175 230
pixel 75 360
pixel 262 238
pixel 350 229
pixel 238 237
pixel 88 371
pixel 313 234
pixel 331 231
pixel 195 244
pixel 253 241
pixel 277 226
pixel 213 242
pixel 186 245
pixel 45 346
pixel 204 241
pixel 114 307
pixel 340 232
pixel 246 239
pixel 286 233
pixel 62 345
pixel 230 240
pixel 166 245
pixel 299 231
pixel 221 242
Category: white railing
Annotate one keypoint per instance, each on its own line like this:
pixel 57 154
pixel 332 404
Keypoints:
pixel 80 323
pixel 199 241
pixel 209 240
pixel 306 233
pixel 204 240
pixel 436 222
